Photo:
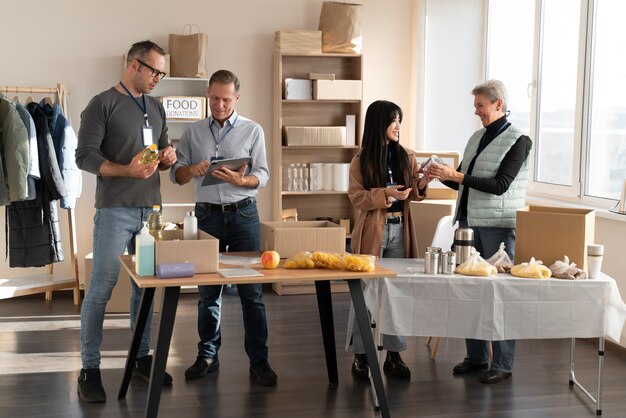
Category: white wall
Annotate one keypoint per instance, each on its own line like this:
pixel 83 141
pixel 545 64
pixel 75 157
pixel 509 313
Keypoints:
pixel 80 44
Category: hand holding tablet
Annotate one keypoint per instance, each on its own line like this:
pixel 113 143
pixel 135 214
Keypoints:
pixel 230 163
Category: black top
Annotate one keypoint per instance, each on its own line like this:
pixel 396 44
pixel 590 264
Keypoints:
pixel 393 163
pixel 509 167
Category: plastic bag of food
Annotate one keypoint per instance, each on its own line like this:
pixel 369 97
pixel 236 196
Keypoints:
pixel 475 265
pixel 302 260
pixel 501 260
pixel 327 260
pixel 359 262
pixel 531 270
pixel 563 269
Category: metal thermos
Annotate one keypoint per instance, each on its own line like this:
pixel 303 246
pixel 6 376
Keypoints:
pixel 448 262
pixel 463 243
pixel 431 262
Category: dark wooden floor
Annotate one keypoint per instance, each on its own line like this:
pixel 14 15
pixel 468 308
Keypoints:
pixel 40 360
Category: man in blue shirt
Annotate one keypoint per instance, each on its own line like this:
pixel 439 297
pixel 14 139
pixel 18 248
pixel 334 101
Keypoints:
pixel 228 211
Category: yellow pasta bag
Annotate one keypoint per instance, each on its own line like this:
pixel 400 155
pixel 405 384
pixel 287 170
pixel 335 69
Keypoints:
pixel 359 262
pixel 531 270
pixel 302 260
pixel 327 260
pixel 475 265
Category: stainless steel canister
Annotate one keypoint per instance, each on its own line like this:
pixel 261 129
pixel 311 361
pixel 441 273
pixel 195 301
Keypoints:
pixel 438 251
pixel 448 262
pixel 431 262
pixel 463 243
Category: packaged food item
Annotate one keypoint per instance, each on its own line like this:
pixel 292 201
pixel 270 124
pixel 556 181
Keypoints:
pixel 301 260
pixel 534 269
pixel 563 269
pixel 359 262
pixel 327 260
pixel 475 265
pixel 150 154
pixel 501 260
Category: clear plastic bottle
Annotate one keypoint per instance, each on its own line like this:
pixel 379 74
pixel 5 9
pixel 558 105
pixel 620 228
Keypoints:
pixel 155 223
pixel 313 175
pixel 150 154
pixel 305 178
pixel 190 226
pixel 290 177
pixel 298 178
pixel 144 252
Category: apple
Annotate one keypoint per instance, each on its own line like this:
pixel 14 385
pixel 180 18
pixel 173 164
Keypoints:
pixel 270 259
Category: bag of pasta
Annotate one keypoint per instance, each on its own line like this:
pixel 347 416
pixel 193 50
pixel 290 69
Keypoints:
pixel 534 269
pixel 501 260
pixel 475 265
pixel 562 269
pixel 327 260
pixel 359 262
pixel 301 260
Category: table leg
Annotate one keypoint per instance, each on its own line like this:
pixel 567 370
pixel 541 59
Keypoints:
pixel 325 308
pixel 166 326
pixel 572 376
pixel 360 310
pixel 142 318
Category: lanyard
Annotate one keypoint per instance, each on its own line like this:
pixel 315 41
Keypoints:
pixel 502 128
pixel 143 109
pixel 389 165
pixel 217 144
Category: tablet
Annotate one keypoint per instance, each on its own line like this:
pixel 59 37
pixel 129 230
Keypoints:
pixel 230 163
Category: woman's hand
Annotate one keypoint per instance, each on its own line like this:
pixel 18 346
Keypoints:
pixel 444 172
pixel 394 192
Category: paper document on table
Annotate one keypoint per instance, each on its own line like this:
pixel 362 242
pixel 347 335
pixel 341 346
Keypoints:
pixel 241 272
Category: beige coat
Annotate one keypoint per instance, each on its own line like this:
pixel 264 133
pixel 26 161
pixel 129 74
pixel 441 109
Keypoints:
pixel 367 234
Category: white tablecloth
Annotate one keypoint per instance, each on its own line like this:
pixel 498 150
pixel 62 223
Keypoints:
pixel 492 308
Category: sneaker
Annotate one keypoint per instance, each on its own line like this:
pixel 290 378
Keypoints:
pixel 395 367
pixel 360 367
pixel 90 386
pixel 202 367
pixel 143 367
pixel 263 373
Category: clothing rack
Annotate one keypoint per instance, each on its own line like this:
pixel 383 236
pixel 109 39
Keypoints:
pixel 46 283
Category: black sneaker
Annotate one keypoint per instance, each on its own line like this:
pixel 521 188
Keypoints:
pixel 360 367
pixel 395 367
pixel 143 367
pixel 202 367
pixel 263 373
pixel 90 386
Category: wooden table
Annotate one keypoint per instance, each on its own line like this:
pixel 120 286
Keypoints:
pixel 322 278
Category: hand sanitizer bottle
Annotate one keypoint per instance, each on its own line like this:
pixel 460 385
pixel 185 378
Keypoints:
pixel 144 252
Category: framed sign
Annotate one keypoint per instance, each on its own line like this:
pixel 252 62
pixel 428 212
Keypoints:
pixel 184 107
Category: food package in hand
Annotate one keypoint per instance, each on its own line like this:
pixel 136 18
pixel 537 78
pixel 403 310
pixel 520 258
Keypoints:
pixel 501 260
pixel 475 265
pixel 563 269
pixel 359 262
pixel 531 270
pixel 327 260
pixel 301 260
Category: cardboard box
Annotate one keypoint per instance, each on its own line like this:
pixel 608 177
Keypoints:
pixel 436 189
pixel 289 238
pixel 315 135
pixel 203 252
pixel 298 41
pixel 337 89
pixel 425 216
pixel 549 233
pixel 297 89
pixel 321 76
pixel 184 107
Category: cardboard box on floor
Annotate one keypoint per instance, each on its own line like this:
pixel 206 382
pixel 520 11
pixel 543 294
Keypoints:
pixel 548 233
pixel 289 238
pixel 203 252
pixel 425 216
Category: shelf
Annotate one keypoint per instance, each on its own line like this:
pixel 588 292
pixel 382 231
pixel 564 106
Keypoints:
pixel 182 121
pixel 285 101
pixel 319 192
pixel 321 54
pixel 318 147
pixel 206 80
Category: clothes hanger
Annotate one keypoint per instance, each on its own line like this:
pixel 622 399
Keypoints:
pixel 16 100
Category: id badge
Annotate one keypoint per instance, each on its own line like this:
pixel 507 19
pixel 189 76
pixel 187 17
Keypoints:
pixel 393 199
pixel 146 135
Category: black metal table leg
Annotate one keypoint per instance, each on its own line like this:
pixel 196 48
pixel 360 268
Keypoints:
pixel 140 326
pixel 360 310
pixel 325 308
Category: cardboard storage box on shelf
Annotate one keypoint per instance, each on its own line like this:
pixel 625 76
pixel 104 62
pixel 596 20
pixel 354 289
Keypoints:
pixel 298 89
pixel 315 135
pixel 549 233
pixel 184 107
pixel 203 252
pixel 425 215
pixel 298 41
pixel 289 238
pixel 337 89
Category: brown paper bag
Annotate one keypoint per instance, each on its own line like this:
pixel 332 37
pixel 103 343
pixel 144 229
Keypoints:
pixel 340 24
pixel 188 53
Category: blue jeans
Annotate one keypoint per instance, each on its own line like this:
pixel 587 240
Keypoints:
pixel 114 231
pixel 392 246
pixel 237 230
pixel 487 242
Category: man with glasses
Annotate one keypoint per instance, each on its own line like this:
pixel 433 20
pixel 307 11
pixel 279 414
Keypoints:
pixel 115 127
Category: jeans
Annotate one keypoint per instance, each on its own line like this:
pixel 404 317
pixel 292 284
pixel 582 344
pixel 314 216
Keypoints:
pixel 487 242
pixel 392 247
pixel 237 230
pixel 113 232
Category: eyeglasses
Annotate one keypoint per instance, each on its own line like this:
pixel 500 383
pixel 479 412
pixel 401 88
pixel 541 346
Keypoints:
pixel 155 73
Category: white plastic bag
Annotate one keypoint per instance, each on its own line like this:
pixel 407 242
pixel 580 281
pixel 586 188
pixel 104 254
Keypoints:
pixel 475 265
pixel 563 269
pixel 501 260
pixel 534 269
